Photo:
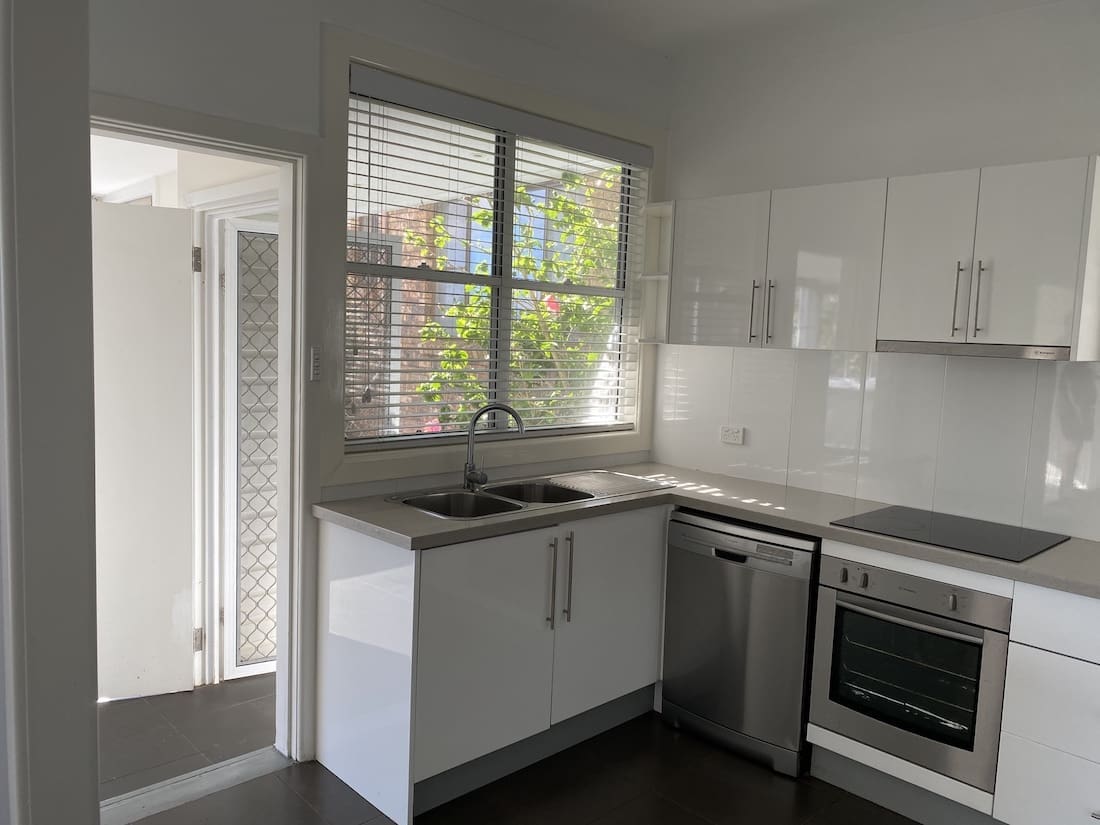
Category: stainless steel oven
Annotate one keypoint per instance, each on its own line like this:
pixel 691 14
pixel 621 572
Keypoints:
pixel 912 667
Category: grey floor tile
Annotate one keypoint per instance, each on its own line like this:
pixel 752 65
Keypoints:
pixel 328 795
pixel 224 733
pixel 651 809
pixel 124 754
pixel 263 801
pixel 151 776
pixel 190 705
pixel 851 810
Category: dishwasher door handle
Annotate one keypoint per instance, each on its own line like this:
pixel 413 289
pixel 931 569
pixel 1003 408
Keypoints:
pixel 734 556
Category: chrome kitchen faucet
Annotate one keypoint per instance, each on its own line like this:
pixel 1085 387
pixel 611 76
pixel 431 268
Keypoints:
pixel 472 477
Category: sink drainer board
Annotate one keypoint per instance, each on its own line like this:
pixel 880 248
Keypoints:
pixel 607 483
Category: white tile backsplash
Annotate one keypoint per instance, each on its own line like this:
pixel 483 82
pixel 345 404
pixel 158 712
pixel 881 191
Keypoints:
pixel 900 438
pixel 1063 476
pixel 984 438
pixel 763 386
pixel 1005 440
pixel 825 420
pixel 693 403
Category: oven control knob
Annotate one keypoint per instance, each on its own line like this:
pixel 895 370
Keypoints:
pixel 843 575
pixel 953 602
pixel 864 580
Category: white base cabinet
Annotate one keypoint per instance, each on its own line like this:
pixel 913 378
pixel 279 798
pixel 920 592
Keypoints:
pixel 519 632
pixel 1037 785
pixel 485 650
pixel 607 636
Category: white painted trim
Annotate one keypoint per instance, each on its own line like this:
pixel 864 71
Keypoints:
pixel 918 567
pixel 906 771
pixel 142 189
pixel 130 807
pixel 244 193
pixel 297 152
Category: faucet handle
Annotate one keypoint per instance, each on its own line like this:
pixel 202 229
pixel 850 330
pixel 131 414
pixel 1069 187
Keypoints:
pixel 475 476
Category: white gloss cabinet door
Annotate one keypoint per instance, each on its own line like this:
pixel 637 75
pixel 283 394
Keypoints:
pixel 824 266
pixel 719 259
pixel 1026 253
pixel 485 650
pixel 926 256
pixel 1037 785
pixel 606 644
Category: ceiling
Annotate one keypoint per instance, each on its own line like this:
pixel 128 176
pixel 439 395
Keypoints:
pixel 120 163
pixel 671 28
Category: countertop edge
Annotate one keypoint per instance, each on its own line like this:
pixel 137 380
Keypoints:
pixel 1035 571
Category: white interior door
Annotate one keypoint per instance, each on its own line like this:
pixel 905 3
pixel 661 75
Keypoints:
pixel 251 430
pixel 144 450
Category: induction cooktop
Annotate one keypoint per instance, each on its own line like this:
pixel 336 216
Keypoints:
pixel 983 538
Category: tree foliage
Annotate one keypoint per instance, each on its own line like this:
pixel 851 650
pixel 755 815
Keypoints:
pixel 565 233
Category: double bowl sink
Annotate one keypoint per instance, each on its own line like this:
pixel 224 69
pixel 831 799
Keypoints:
pixel 495 499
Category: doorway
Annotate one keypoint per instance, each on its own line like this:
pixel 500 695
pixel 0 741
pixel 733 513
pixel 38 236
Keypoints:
pixel 191 363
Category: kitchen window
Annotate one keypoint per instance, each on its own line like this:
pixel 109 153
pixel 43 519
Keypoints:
pixel 491 256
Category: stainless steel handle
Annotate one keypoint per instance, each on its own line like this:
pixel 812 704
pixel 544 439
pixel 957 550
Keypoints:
pixel 553 582
pixel 752 308
pixel 955 305
pixel 886 617
pixel 737 555
pixel 567 611
pixel 1095 814
pixel 769 310
pixel 978 297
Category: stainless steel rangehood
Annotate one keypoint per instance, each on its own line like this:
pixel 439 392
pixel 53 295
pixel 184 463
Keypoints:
pixel 1033 353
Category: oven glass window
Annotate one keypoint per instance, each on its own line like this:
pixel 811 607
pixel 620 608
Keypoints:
pixel 913 679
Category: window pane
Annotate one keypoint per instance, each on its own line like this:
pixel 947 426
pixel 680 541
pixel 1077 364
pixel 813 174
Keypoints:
pixel 569 363
pixel 566 222
pixel 416 358
pixel 421 185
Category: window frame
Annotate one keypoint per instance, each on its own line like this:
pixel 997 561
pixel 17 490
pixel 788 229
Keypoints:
pixel 503 283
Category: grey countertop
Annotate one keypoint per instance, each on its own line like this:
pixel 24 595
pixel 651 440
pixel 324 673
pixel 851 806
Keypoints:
pixel 1073 566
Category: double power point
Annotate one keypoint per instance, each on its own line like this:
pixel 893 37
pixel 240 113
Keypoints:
pixel 731 435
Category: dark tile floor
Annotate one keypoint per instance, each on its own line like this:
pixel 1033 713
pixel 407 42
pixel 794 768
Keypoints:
pixel 144 741
pixel 642 773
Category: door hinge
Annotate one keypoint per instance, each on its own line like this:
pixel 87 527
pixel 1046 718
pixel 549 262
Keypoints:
pixel 221 280
pixel 200 639
pixel 196 259
pixel 221 615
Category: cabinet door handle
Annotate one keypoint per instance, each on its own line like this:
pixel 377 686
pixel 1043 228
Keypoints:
pixel 978 297
pixel 553 582
pixel 567 611
pixel 955 305
pixel 1096 814
pixel 752 308
pixel 769 308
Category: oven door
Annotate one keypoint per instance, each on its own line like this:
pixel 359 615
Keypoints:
pixel 921 687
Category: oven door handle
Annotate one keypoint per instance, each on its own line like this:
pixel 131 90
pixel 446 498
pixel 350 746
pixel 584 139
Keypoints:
pixel 926 628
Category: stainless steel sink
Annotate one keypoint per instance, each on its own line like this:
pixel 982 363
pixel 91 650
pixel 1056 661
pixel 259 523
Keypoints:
pixel 462 504
pixel 537 491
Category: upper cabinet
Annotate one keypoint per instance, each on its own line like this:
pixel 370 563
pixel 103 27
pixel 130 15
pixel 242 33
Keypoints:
pixel 824 264
pixel 719 258
pixel 986 257
pixel 926 257
pixel 1026 253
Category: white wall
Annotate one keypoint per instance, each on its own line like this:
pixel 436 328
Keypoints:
pixel 1005 440
pixel 888 94
pixel 259 60
pixel 47 488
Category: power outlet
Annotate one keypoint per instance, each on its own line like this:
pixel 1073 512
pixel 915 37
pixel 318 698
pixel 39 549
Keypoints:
pixel 731 435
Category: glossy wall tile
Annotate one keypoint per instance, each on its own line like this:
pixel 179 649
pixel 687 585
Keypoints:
pixel 826 412
pixel 1063 477
pixel 1010 441
pixel 900 438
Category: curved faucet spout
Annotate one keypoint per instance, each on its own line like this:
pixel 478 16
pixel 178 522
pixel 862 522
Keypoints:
pixel 471 476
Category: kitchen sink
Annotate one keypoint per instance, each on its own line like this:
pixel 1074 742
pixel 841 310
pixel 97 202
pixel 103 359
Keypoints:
pixel 537 491
pixel 462 504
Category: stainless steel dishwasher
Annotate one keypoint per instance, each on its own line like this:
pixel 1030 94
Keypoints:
pixel 737 631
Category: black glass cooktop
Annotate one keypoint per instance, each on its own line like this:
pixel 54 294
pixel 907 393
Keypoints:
pixel 984 538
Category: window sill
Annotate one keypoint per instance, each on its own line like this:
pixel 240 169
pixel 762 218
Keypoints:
pixel 383 465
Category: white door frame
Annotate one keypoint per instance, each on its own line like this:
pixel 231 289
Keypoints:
pixel 230 600
pixel 150 122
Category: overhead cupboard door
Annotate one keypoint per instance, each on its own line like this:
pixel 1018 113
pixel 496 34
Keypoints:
pixel 720 254
pixel 1026 253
